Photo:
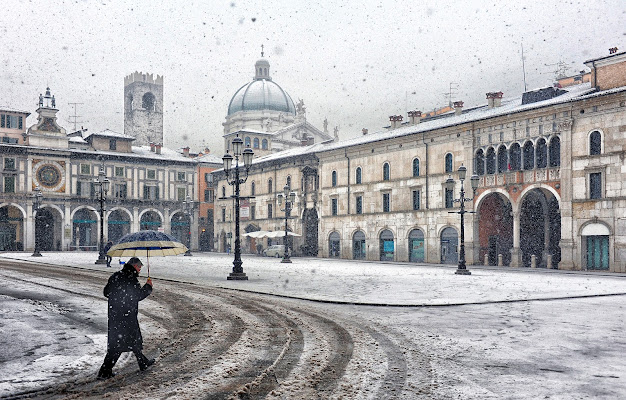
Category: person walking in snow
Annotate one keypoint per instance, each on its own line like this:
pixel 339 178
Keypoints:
pixel 106 250
pixel 124 293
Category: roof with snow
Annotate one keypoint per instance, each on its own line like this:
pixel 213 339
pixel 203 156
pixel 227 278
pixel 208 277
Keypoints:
pixel 111 134
pixel 509 106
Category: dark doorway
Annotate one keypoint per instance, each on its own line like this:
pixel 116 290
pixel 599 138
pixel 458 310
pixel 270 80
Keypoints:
pixel 449 246
pixel 310 225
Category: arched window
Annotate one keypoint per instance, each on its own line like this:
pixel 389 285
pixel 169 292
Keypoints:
pixel 515 157
pixel 479 162
pixel 269 186
pixel 491 161
pixel 595 143
pixel 386 172
pixel 416 246
pixel 529 155
pixel 289 182
pixel 542 153
pixel 148 102
pixel 264 144
pixel 334 178
pixel 416 167
pixel 555 151
pixel 255 143
pixel 502 159
pixel 358 175
pixel 247 141
pixel 449 162
pixel 252 189
pixel 387 249
pixel 358 246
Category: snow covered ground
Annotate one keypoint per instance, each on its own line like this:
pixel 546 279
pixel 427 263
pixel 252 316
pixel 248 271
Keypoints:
pixel 477 326
pixel 361 281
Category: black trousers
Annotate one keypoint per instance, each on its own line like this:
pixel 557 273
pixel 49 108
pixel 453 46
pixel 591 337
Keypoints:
pixel 111 358
pixel 109 258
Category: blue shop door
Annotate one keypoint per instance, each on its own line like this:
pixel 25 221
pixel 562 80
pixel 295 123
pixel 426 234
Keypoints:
pixel 598 252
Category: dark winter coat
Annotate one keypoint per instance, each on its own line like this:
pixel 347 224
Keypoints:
pixel 124 293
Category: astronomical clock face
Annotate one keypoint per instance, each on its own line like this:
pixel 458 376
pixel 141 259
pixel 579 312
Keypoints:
pixel 49 176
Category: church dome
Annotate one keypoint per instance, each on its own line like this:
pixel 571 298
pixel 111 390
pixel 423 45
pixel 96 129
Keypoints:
pixel 261 94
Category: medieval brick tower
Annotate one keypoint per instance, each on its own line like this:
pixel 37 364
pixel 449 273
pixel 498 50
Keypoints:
pixel 143 108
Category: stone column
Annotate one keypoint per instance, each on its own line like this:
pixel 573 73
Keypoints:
pixel 568 239
pixel 515 250
pixel 135 223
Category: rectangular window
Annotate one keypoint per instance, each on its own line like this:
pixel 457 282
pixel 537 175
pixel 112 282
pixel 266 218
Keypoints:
pixel 112 144
pixel 223 215
pixel 150 192
pixel 9 184
pixel 2 121
pixel 208 195
pixel 9 164
pixel 85 169
pixel 181 176
pixel 252 212
pixel 386 202
pixel 119 171
pixel 181 193
pixel 359 204
pixel 208 178
pixel 84 188
pixel 449 200
pixel 333 206
pixel 595 185
pixel 151 174
pixel 270 210
pixel 120 190
pixel 20 122
pixel 416 199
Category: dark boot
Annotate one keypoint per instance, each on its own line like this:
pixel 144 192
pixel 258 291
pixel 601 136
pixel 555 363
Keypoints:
pixel 106 370
pixel 105 373
pixel 143 361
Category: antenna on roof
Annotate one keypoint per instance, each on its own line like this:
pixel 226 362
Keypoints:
pixel 262 51
pixel 74 118
pixel 523 67
pixel 454 86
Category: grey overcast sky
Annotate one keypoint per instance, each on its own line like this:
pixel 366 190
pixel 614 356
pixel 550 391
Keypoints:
pixel 354 63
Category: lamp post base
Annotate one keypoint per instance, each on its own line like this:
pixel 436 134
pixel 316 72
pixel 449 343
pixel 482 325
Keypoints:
pixel 101 261
pixel 36 254
pixel 237 276
pixel 463 272
pixel 286 260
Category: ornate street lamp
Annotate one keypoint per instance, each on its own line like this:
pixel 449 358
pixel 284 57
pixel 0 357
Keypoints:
pixel 247 154
pixel 37 201
pixel 289 202
pixel 462 270
pixel 102 187
pixel 188 209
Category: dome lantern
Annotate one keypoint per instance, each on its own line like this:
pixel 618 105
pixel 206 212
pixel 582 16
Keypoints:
pixel 262 70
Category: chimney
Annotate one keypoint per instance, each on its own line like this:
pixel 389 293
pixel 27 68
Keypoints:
pixel 396 121
pixel 494 99
pixel 157 148
pixel 152 147
pixel 364 130
pixel 458 107
pixel 414 117
pixel 186 151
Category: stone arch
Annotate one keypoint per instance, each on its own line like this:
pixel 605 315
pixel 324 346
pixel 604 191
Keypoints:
pixel 334 244
pixel 12 227
pixel 150 219
pixel 502 157
pixel 493 226
pixel 119 223
pixel 448 244
pixel 359 249
pixel 387 239
pixel 417 244
pixel 85 230
pixel 540 225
